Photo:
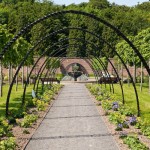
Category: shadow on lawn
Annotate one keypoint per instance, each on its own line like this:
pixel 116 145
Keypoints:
pixel 15 105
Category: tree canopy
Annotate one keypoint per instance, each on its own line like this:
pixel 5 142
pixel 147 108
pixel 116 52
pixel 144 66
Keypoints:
pixel 130 20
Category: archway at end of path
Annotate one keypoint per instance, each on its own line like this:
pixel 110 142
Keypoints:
pixel 79 67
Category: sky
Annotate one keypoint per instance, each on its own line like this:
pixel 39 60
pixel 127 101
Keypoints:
pixel 119 2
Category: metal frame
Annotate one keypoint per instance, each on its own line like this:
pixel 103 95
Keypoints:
pixel 119 33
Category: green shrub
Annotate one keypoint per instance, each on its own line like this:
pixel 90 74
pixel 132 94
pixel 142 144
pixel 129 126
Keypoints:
pixel 116 118
pixel 5 128
pixel 27 121
pixel 134 143
pixel 125 110
pixel 40 104
pixel 8 144
pixel 107 105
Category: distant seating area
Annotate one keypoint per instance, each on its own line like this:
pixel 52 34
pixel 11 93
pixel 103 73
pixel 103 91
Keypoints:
pixel 46 80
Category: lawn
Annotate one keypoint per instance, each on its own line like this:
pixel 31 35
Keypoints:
pixel 15 99
pixel 130 99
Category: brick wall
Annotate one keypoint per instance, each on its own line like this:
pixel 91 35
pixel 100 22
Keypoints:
pixel 68 61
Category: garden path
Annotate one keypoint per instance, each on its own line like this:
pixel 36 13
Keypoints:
pixel 73 123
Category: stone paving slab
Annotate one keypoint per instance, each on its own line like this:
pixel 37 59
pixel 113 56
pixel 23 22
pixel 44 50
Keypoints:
pixel 73 123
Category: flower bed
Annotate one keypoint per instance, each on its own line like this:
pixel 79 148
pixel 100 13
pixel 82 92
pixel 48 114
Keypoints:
pixel 16 131
pixel 123 119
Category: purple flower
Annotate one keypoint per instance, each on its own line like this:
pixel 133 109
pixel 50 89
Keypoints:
pixel 125 124
pixel 119 127
pixel 115 103
pixel 115 106
pixel 132 120
pixel 123 135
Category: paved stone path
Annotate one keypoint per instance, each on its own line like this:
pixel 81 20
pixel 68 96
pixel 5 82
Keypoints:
pixel 73 123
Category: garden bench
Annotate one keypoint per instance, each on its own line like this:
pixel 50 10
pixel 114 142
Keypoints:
pixel 43 80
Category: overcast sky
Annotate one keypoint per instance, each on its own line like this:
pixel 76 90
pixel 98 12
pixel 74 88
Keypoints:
pixel 119 2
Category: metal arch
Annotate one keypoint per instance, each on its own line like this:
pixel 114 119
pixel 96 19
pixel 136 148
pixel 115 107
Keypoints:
pixel 55 44
pixel 106 72
pixel 114 70
pixel 103 66
pixel 22 64
pixel 41 73
pixel 33 67
pixel 137 99
pixel 119 33
pixel 119 80
pixel 31 73
pixel 29 76
pixel 42 68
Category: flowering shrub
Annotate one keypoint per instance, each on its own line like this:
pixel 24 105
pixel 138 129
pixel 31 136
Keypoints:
pixel 122 116
pixel 116 118
pixel 132 120
pixel 125 110
pixel 115 106
pixel 106 105
pixel 40 104
pixel 125 124
pixel 119 127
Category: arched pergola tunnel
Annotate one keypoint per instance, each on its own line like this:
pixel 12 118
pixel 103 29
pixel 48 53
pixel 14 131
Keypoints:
pixel 104 68
pixel 28 27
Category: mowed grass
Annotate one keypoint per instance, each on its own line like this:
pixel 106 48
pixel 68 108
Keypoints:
pixel 130 98
pixel 15 99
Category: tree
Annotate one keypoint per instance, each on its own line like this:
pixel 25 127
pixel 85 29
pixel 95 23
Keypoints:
pixel 141 41
pixel 100 4
pixel 4 36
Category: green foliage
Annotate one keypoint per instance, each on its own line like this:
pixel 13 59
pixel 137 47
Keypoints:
pixel 27 121
pixel 141 41
pixel 40 104
pixel 122 118
pixel 47 96
pixel 8 144
pixel 146 131
pixel 98 64
pixel 5 128
pixel 99 4
pixel 53 63
pixel 134 143
pixel 125 110
pixel 144 126
pixel 107 105
pixel 17 51
pixel 116 118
